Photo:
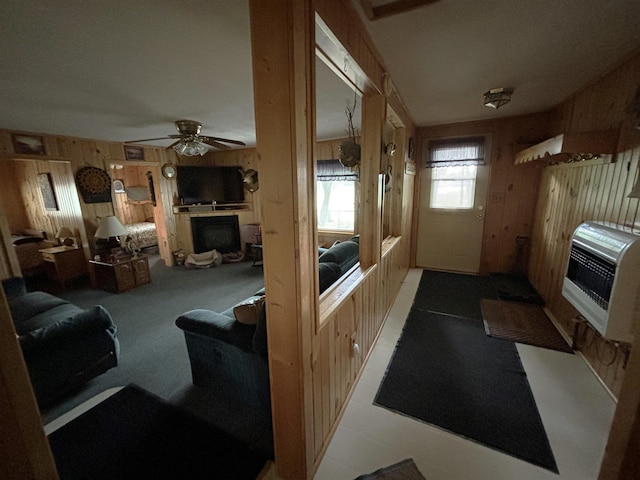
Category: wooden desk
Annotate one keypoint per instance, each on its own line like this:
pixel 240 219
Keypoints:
pixel 64 263
pixel 121 276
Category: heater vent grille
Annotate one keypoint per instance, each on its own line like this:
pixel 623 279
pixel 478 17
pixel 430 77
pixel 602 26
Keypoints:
pixel 591 274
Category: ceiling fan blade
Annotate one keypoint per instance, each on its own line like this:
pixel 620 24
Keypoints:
pixel 213 143
pixel 153 139
pixel 226 140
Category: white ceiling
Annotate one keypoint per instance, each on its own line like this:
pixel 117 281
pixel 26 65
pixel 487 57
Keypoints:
pixel 123 70
pixel 444 56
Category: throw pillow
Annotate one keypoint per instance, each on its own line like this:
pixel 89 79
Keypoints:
pixel 249 311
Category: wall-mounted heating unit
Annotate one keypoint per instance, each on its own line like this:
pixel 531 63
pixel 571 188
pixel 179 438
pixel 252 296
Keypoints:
pixel 603 278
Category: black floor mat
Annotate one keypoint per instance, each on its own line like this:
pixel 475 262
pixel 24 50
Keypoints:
pixel 134 434
pixel 514 287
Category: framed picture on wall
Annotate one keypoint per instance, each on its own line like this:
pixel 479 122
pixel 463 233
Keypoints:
pixel 46 189
pixel 132 152
pixel 28 144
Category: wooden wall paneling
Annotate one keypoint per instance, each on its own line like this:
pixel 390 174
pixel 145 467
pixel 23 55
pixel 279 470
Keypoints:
pixel 569 195
pixel 12 199
pixel 24 450
pixel 9 265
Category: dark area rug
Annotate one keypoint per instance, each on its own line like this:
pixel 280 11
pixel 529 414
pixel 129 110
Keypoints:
pixel 453 293
pixel 522 323
pixel 404 470
pixel 136 435
pixel 445 371
pixel 514 287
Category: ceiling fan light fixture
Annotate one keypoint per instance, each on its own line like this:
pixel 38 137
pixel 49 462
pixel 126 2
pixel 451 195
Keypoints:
pixel 497 97
pixel 190 148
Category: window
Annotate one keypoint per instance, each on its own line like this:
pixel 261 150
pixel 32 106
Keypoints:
pixel 453 178
pixel 453 187
pixel 335 196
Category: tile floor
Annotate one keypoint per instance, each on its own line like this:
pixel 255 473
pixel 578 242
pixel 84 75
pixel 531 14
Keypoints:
pixel 575 409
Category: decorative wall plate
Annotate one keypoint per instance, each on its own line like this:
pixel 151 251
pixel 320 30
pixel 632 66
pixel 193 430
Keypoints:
pixel 94 184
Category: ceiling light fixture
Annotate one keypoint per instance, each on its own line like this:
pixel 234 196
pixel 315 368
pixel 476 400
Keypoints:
pixel 190 147
pixel 497 97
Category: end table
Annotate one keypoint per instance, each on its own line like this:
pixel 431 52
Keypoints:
pixel 64 263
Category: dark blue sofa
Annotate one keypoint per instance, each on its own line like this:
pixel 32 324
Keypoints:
pixel 63 345
pixel 231 357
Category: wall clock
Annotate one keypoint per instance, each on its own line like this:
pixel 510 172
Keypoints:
pixel 94 184
pixel 118 186
pixel 168 171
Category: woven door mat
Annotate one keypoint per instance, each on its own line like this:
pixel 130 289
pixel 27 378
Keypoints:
pixel 522 323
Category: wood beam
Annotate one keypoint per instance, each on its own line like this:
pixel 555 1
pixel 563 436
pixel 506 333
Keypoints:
pixel 370 218
pixel 392 8
pixel 282 37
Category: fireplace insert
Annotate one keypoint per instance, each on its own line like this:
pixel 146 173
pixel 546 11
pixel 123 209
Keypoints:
pixel 220 232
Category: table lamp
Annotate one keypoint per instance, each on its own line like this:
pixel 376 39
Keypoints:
pixel 65 236
pixel 110 229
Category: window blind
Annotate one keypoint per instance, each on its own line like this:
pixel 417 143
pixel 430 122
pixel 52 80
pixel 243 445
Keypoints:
pixel 334 171
pixel 455 152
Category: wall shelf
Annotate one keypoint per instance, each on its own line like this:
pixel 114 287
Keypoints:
pixel 207 208
pixel 570 147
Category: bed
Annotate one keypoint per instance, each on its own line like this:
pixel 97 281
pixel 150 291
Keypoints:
pixel 27 245
pixel 142 234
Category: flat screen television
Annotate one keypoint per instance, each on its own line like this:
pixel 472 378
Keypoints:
pixel 208 184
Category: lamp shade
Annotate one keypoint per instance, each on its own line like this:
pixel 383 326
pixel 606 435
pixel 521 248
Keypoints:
pixel 110 227
pixel 64 232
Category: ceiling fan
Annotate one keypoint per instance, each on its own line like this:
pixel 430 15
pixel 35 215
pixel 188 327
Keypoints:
pixel 189 140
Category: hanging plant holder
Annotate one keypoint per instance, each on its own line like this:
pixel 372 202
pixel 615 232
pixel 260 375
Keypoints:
pixel 349 153
pixel 349 149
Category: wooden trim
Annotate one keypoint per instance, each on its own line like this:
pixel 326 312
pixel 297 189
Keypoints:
pixel 333 54
pixel 392 8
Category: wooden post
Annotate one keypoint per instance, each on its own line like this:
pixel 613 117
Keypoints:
pixel 282 35
pixel 370 217
pixel 621 460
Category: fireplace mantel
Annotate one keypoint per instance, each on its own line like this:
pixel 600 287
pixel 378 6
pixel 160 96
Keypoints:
pixel 221 209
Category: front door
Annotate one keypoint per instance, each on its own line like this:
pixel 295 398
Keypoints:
pixel 451 217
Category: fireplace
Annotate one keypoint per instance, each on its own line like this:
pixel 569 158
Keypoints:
pixel 221 233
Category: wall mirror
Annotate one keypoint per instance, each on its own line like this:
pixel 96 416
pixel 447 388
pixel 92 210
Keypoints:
pixel 338 119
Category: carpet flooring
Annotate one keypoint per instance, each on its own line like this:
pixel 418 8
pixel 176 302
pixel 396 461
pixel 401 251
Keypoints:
pixel 445 371
pixel 153 353
pixel 134 434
